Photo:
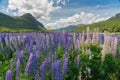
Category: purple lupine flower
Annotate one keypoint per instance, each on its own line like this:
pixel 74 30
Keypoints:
pixel 11 65
pixel 57 42
pixel 17 54
pixel 34 49
pixel 68 43
pixel 101 39
pixel 45 66
pixel 38 79
pixel 20 56
pixel 8 75
pixel 65 66
pixel 53 70
pixel 48 62
pixel 57 70
pixel 3 40
pixel 12 46
pixel 46 46
pixel 7 40
pixel 18 70
pixel 52 44
pixel 28 49
pixel 31 65
pixel 53 57
pixel 43 70
pixel 66 46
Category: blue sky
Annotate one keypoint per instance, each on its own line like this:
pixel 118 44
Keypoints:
pixel 101 6
pixel 3 5
pixel 81 3
pixel 67 9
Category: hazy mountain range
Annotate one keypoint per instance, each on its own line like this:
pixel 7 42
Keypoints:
pixel 70 28
pixel 27 23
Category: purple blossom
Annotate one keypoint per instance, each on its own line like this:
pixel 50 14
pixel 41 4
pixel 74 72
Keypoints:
pixel 28 49
pixel 57 70
pixel 52 44
pixel 31 65
pixel 53 57
pixel 18 70
pixel 38 79
pixel 43 70
pixel 45 66
pixel 11 65
pixel 53 70
pixel 20 56
pixel 34 48
pixel 65 66
pixel 8 75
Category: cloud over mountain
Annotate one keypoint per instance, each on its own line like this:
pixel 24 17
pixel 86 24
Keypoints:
pixel 82 18
pixel 40 9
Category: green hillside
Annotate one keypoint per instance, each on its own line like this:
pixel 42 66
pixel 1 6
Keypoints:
pixel 25 23
pixel 111 25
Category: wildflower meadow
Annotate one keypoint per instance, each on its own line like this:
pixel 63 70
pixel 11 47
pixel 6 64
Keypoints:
pixel 60 56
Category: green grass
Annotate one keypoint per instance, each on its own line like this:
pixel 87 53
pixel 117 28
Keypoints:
pixel 4 29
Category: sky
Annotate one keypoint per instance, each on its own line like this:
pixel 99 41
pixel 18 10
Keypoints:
pixel 54 14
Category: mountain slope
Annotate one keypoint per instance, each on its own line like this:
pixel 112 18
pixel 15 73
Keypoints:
pixel 69 28
pixel 23 23
pixel 111 25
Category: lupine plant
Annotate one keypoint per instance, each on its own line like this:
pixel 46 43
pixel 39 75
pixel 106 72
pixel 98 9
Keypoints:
pixel 60 56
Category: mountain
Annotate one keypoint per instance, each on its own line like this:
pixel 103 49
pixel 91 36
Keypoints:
pixel 24 23
pixel 69 28
pixel 112 25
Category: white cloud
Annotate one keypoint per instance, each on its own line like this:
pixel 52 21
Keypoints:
pixel 82 18
pixel 40 9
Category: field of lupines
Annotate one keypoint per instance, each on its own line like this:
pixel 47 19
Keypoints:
pixel 60 56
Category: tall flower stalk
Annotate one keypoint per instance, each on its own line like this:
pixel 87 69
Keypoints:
pixel 18 70
pixel 8 75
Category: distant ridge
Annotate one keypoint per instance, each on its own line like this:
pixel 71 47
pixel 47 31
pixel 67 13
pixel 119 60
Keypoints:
pixel 111 25
pixel 69 28
pixel 24 23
